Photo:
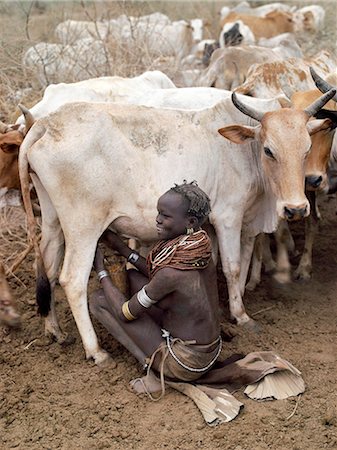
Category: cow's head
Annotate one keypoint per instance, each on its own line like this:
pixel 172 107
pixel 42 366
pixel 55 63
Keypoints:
pixel 318 160
pixel 10 141
pixel 11 137
pixel 284 137
pixel 8 313
pixel 283 21
pixel 233 36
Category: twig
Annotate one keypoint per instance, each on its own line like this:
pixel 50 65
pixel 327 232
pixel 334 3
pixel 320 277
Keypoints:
pixel 297 402
pixel 263 310
pixel 19 259
pixel 30 343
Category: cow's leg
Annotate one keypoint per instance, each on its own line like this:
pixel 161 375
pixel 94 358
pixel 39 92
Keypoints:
pixel 52 250
pixel 256 266
pixel 229 246
pixel 247 246
pixel 267 257
pixel 79 256
pixel 304 269
pixel 282 273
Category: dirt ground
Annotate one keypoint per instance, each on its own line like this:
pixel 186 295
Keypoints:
pixel 51 398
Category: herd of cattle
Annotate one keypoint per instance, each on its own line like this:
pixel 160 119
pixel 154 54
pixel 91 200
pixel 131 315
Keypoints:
pixel 256 132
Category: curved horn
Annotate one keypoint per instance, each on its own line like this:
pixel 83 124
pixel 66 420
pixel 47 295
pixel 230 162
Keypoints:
pixel 321 84
pixel 319 103
pixel 29 119
pixel 245 109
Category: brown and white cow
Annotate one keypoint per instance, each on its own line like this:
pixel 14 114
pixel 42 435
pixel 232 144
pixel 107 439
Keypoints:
pixel 319 177
pixel 271 79
pixel 273 23
pixel 11 138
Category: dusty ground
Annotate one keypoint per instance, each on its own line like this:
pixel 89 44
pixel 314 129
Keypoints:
pixel 51 398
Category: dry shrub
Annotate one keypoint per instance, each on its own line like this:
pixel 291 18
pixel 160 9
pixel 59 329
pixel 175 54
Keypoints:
pixel 13 233
pixel 14 246
pixel 27 23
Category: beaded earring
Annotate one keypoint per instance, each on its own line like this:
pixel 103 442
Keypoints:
pixel 189 230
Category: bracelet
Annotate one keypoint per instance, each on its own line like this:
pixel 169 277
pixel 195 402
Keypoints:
pixel 102 274
pixel 144 299
pixel 133 257
pixel 127 313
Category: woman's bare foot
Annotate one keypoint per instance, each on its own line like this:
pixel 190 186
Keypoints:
pixel 146 385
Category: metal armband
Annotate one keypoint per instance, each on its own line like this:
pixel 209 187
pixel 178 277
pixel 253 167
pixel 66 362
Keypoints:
pixel 144 299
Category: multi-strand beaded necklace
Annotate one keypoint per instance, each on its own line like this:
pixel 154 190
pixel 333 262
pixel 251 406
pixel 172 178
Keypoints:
pixel 185 252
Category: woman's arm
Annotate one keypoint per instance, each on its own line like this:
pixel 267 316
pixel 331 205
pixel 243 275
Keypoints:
pixel 158 287
pixel 113 241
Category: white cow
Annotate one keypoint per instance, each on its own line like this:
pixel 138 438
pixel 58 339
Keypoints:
pixel 260 11
pixel 309 18
pixel 101 89
pixel 70 31
pixel 284 43
pixel 189 98
pixel 100 165
pixel 51 62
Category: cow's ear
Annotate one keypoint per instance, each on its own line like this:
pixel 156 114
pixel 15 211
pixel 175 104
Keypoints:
pixel 313 126
pixel 238 133
pixel 11 141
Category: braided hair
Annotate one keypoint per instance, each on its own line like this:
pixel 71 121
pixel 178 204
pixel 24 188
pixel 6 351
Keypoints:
pixel 199 202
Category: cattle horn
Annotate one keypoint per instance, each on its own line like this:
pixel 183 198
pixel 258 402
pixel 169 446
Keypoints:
pixel 29 119
pixel 319 103
pixel 248 110
pixel 321 84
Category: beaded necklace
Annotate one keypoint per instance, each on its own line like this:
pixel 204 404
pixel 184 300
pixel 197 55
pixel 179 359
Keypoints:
pixel 185 252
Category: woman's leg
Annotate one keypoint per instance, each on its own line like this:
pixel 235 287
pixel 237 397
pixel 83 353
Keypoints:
pixel 141 336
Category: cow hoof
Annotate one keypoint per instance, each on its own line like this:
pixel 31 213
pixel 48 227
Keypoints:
pixel 282 277
pixel 302 276
pixel 104 361
pixel 252 326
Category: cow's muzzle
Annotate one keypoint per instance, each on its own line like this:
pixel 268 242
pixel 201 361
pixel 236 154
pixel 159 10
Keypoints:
pixel 292 214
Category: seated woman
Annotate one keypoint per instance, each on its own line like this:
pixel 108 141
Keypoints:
pixel 171 322
pixel 173 316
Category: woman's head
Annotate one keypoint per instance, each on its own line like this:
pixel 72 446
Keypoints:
pixel 183 207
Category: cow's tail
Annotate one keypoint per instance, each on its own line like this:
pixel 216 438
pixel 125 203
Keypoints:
pixel 43 289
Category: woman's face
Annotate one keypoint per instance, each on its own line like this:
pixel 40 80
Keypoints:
pixel 172 219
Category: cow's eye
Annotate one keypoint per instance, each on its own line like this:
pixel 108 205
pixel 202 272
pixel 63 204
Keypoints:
pixel 268 153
